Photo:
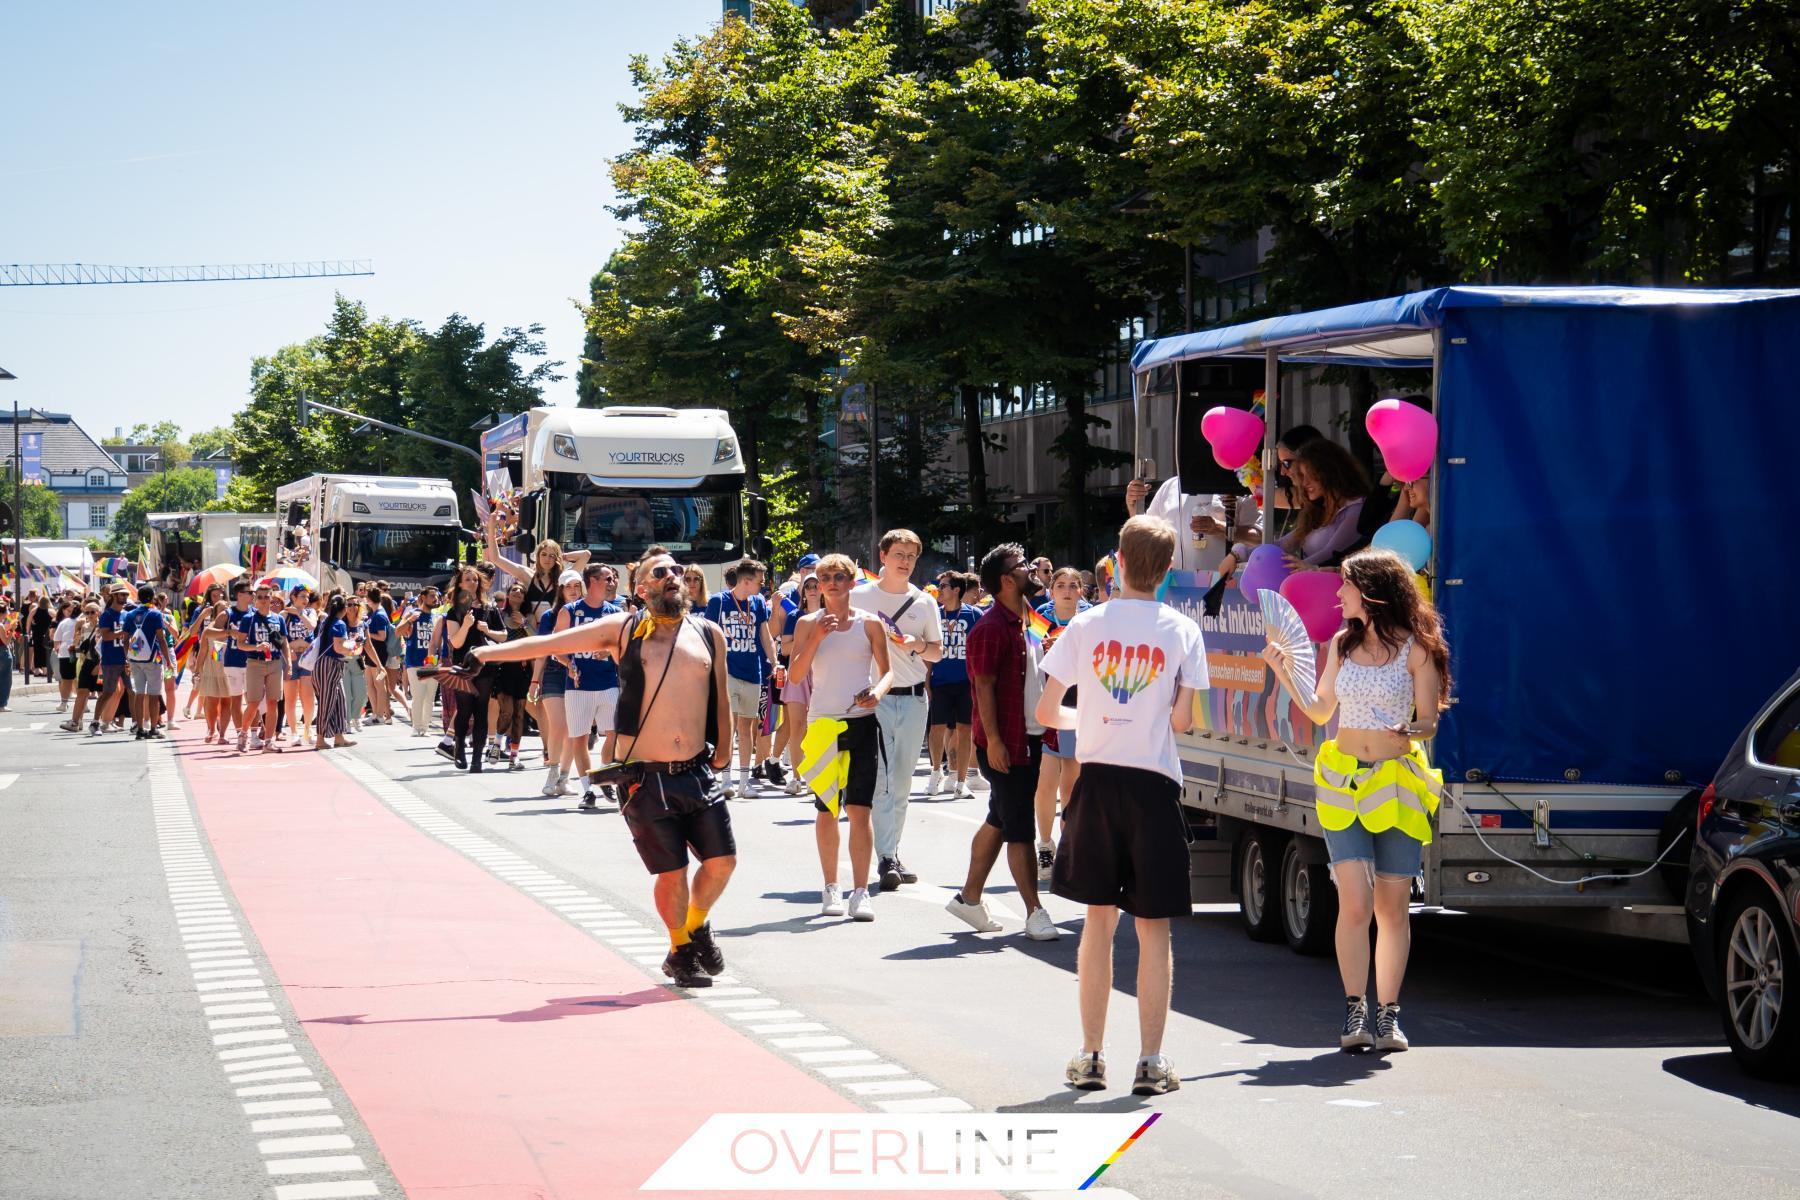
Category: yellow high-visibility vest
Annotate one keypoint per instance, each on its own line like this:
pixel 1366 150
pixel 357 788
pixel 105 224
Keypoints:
pixel 1396 793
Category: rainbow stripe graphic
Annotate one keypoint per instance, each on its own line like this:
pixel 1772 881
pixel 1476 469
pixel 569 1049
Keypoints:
pixel 1119 1153
pixel 1037 628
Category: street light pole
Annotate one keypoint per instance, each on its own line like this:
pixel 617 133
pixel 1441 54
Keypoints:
pixel 18 507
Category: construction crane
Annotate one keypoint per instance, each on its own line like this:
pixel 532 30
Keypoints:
pixel 70 274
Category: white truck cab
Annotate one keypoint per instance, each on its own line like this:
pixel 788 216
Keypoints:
pixel 346 529
pixel 614 481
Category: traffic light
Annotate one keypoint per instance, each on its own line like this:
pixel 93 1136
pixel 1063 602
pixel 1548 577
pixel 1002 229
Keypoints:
pixel 303 412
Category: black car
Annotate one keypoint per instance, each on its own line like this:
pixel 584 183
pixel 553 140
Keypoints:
pixel 1743 895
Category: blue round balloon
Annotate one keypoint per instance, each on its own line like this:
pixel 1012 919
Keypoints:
pixel 1408 539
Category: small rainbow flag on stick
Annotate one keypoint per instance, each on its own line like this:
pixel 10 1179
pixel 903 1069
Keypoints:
pixel 864 575
pixel 1037 628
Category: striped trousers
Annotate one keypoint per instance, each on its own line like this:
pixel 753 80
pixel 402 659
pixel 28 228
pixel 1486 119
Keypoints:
pixel 328 691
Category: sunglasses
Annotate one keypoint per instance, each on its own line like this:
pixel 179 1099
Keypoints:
pixel 664 572
pixel 835 577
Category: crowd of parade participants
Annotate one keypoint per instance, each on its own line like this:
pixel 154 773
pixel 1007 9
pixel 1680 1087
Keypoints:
pixel 1055 692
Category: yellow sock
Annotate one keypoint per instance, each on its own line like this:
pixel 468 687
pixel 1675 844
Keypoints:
pixel 679 938
pixel 695 919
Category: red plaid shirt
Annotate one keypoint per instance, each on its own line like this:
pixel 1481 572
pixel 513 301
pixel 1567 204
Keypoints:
pixel 996 649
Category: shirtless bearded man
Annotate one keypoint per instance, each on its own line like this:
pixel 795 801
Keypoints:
pixel 670 742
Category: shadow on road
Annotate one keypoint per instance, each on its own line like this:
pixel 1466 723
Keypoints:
pixel 550 1010
pixel 1720 1073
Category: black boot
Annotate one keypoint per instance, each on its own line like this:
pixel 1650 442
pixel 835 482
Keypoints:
pixel 683 966
pixel 706 950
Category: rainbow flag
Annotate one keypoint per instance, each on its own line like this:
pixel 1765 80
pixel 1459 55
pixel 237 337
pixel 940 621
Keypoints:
pixel 1037 628
pixel 184 650
pixel 864 575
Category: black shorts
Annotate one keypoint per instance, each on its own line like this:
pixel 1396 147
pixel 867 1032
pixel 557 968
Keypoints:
pixel 1012 794
pixel 862 738
pixel 65 667
pixel 1124 843
pixel 949 704
pixel 666 814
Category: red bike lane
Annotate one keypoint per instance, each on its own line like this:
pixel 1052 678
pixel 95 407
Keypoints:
pixel 493 1050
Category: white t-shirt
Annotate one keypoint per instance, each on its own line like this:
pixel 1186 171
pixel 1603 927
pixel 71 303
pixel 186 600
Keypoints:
pixel 63 640
pixel 1197 554
pixel 921 620
pixel 1127 657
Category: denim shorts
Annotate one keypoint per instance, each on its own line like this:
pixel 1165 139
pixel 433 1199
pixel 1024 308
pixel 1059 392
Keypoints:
pixel 1391 854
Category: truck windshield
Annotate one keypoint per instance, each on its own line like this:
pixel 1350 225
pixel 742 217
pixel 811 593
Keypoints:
pixel 397 549
pixel 617 524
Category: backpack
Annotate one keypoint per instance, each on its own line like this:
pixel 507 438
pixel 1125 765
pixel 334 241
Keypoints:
pixel 141 648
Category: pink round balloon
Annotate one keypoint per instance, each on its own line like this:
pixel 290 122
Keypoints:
pixel 1407 435
pixel 1314 596
pixel 1233 434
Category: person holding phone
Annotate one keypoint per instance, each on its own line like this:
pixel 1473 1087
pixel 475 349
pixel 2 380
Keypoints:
pixel 1386 676
pixel 844 652
pixel 1207 541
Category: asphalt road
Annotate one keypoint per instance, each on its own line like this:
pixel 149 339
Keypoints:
pixel 1547 1065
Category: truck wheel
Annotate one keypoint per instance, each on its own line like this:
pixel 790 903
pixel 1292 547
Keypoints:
pixel 1758 968
pixel 1259 879
pixel 1308 902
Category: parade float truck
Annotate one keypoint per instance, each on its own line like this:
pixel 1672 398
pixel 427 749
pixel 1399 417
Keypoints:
pixel 181 543
pixel 348 529
pixel 615 481
pixel 1613 549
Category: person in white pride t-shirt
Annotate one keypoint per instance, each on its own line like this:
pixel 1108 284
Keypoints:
pixel 1138 663
pixel 916 640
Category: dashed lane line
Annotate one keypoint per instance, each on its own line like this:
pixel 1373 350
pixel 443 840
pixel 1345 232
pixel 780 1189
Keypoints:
pixel 269 1079
pixel 787 1031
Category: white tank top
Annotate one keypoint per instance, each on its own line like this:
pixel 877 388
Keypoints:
pixel 1375 697
pixel 843 666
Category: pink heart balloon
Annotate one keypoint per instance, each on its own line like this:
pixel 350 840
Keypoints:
pixel 1407 435
pixel 1314 596
pixel 1233 434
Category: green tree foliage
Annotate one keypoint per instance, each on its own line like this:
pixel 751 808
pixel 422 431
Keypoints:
pixel 1612 138
pixel 164 435
pixel 42 507
pixel 211 443
pixel 183 490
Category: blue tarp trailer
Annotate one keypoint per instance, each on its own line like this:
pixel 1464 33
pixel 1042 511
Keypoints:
pixel 1615 557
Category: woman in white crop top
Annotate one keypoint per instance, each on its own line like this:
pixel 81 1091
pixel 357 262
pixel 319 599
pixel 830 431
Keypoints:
pixel 843 654
pixel 1386 676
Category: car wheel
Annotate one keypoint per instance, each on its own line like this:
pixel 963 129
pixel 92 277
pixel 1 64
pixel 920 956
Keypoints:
pixel 1756 961
pixel 1259 867
pixel 1308 902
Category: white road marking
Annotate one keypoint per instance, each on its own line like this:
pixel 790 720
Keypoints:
pixel 256 1052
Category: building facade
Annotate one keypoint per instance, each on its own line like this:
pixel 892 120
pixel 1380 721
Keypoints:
pixel 88 481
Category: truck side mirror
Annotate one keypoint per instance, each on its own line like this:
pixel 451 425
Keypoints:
pixel 528 506
pixel 761 547
pixel 526 545
pixel 759 515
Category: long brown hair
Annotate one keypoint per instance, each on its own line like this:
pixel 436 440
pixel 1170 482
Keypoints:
pixel 1341 479
pixel 1397 610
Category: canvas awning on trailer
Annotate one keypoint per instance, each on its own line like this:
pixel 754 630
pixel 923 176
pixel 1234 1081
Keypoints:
pixel 1398 331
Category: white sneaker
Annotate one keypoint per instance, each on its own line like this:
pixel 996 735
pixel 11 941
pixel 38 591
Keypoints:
pixel 1039 927
pixel 747 788
pixel 975 915
pixel 256 742
pixel 976 782
pixel 860 908
pixel 553 782
pixel 831 901
pixel 936 785
pixel 793 785
pixel 963 792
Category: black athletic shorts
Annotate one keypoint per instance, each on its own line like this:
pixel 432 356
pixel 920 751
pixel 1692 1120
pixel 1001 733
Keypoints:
pixel 65 667
pixel 862 738
pixel 949 704
pixel 1124 843
pixel 1012 794
pixel 667 814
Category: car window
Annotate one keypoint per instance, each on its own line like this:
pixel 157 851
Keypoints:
pixel 1776 742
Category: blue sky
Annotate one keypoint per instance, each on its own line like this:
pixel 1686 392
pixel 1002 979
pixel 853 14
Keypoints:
pixel 462 147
